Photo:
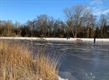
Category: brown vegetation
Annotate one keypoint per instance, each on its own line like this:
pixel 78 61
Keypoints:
pixel 17 63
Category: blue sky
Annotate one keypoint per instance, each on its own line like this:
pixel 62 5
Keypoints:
pixel 23 10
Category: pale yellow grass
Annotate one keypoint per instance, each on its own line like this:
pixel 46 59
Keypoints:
pixel 17 63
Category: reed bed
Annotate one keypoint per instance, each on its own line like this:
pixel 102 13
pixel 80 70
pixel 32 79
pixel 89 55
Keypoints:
pixel 17 63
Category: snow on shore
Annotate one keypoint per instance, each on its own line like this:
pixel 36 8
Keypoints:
pixel 61 78
pixel 59 39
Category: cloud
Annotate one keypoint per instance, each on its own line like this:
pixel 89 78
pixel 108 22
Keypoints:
pixel 106 11
pixel 98 7
pixel 96 2
pixel 98 12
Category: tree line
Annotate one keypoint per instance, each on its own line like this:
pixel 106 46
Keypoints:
pixel 79 22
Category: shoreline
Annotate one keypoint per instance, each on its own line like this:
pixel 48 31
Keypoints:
pixel 59 39
pixel 86 41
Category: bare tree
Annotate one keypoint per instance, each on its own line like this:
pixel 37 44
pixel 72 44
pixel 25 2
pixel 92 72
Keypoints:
pixel 103 23
pixel 89 23
pixel 50 27
pixel 30 26
pixel 8 29
pixel 75 16
pixel 42 21
pixel 17 29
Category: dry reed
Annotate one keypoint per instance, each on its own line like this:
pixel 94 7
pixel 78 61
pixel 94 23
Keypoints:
pixel 17 63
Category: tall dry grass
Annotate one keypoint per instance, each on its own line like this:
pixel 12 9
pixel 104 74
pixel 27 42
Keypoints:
pixel 17 63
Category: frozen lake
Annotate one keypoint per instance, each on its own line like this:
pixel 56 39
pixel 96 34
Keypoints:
pixel 77 61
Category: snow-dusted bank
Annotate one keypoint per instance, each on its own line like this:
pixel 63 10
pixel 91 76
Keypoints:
pixel 61 78
pixel 91 40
